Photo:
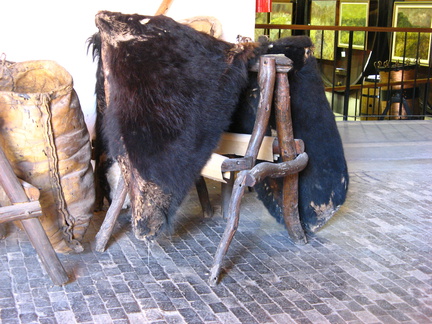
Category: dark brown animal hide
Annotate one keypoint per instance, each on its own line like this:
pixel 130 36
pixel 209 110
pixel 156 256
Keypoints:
pixel 103 162
pixel 170 92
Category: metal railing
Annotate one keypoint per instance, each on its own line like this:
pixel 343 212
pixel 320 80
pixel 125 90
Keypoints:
pixel 385 76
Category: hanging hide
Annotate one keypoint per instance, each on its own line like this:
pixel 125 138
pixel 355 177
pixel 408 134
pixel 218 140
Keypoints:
pixel 106 172
pixel 106 169
pixel 170 92
pixel 323 184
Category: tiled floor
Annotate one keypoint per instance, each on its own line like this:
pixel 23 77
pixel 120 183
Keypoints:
pixel 371 264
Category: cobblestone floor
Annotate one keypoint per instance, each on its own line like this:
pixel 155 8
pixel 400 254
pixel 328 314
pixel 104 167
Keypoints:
pixel 372 263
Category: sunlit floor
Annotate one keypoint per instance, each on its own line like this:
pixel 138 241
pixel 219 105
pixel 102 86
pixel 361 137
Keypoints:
pixel 372 263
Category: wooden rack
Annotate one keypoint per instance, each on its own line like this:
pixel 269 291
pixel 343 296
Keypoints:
pixel 274 92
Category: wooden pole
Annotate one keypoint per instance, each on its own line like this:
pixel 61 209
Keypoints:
pixel 288 152
pixel 20 211
pixel 163 8
pixel 104 234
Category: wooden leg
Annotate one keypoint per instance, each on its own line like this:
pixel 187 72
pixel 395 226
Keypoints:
pixel 266 79
pixel 226 191
pixel 44 249
pixel 231 226
pixel 203 197
pixel 2 231
pixel 32 226
pixel 288 152
pixel 407 107
pixel 104 234
pixel 386 110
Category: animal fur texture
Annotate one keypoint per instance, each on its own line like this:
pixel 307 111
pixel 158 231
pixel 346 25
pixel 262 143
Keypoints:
pixel 107 171
pixel 323 184
pixel 103 174
pixel 170 93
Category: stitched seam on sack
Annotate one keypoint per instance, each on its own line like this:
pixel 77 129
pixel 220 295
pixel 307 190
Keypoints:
pixel 54 172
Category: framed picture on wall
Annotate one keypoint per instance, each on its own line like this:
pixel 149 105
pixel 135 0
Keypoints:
pixel 281 14
pixel 323 13
pixel 412 46
pixel 353 14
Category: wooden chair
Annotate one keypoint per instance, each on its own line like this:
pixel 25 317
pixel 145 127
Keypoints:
pixel 26 209
pixel 273 79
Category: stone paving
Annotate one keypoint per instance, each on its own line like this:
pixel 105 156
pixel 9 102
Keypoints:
pixel 372 263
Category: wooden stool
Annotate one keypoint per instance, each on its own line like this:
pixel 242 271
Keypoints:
pixel 26 209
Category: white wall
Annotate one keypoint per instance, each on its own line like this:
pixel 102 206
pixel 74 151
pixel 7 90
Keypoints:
pixel 57 30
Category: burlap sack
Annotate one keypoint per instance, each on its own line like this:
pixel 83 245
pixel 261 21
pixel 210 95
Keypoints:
pixel 44 136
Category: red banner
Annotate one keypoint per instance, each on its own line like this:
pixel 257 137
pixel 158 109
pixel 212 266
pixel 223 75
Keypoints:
pixel 263 5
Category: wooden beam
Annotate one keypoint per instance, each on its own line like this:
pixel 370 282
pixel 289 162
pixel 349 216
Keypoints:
pixel 20 211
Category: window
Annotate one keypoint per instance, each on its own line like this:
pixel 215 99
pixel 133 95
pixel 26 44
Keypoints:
pixel 323 13
pixel 281 14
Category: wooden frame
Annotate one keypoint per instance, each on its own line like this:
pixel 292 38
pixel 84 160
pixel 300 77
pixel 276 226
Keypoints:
pixel 418 45
pixel 353 13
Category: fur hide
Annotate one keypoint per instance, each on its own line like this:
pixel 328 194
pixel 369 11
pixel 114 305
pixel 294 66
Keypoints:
pixel 103 162
pixel 170 93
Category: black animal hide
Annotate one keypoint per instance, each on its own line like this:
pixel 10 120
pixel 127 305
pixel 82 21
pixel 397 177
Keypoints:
pixel 323 183
pixel 170 94
pixel 103 162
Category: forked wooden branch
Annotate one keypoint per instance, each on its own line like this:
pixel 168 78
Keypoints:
pixel 272 77
pixel 276 170
pixel 266 79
